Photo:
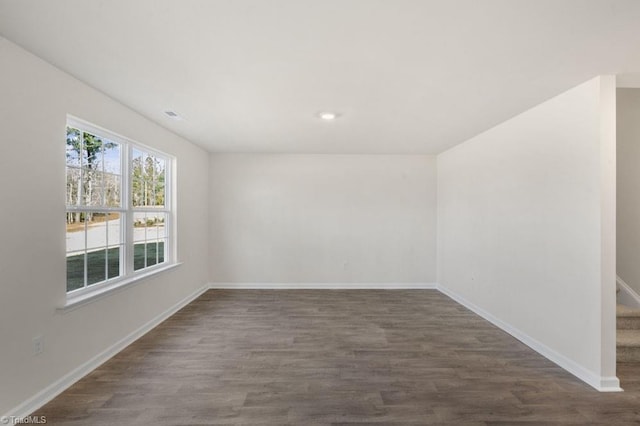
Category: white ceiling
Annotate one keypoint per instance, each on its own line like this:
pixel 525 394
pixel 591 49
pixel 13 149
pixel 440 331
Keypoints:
pixel 407 76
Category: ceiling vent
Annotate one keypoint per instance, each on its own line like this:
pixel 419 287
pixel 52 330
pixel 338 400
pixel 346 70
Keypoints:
pixel 173 115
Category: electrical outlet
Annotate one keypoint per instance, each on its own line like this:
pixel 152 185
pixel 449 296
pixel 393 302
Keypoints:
pixel 38 345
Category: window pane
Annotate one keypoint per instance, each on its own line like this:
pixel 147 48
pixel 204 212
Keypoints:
pixel 137 182
pixel 113 262
pixel 115 242
pixel 75 232
pixel 96 266
pixel 152 227
pixel 109 158
pixel 93 194
pixel 154 235
pixel 137 191
pixel 73 186
pixel 93 231
pixel 75 271
pixel 74 147
pixel 114 229
pixel 147 180
pixel 151 179
pixel 112 188
pixel 139 227
pixel 152 253
pixel 97 189
pixel 149 167
pixel 160 183
pixel 161 248
pixel 161 220
pixel 139 256
pixel 92 150
pixel 137 156
pixel 96 230
pixel 139 239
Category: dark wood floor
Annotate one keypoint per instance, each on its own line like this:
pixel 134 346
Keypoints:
pixel 275 357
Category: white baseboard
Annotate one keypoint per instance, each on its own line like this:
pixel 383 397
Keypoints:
pixel 602 384
pixel 60 385
pixel 627 295
pixel 324 286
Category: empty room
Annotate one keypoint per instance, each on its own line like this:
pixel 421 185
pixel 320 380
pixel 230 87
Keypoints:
pixel 297 212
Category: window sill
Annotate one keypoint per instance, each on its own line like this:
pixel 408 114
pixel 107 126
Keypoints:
pixel 74 302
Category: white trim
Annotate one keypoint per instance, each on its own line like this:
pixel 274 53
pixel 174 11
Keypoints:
pixel 325 286
pixel 627 293
pixel 60 385
pixel 609 384
pixel 600 383
pixel 110 287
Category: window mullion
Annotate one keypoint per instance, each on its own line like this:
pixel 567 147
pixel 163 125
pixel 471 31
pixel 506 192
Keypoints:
pixel 86 256
pixel 106 247
pixel 80 201
pixel 128 204
pixel 171 246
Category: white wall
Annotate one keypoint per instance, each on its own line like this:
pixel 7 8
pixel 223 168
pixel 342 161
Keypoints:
pixel 628 238
pixel 34 100
pixel 526 227
pixel 323 218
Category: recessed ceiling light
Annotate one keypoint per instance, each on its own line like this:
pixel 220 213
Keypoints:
pixel 328 116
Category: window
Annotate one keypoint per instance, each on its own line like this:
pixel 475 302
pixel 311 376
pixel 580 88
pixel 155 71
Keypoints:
pixel 118 211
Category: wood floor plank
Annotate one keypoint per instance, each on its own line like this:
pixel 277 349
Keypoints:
pixel 335 357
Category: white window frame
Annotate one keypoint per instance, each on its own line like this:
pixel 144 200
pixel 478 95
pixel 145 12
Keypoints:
pixel 127 273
